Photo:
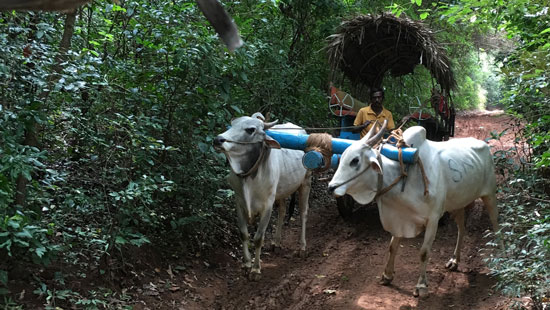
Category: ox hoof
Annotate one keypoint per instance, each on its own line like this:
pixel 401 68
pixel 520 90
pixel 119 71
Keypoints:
pixel 385 280
pixel 246 268
pixel 254 275
pixel 452 264
pixel 420 291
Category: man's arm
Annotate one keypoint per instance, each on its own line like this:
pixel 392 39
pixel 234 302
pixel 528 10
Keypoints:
pixel 361 127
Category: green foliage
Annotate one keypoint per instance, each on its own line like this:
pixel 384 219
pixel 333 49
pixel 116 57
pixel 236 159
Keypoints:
pixel 520 251
pixel 524 69
pixel 124 121
pixel 522 267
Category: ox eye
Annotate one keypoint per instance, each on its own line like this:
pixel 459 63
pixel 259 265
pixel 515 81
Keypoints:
pixel 250 130
pixel 354 162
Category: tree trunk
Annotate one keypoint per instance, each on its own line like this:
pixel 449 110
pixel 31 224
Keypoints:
pixel 31 132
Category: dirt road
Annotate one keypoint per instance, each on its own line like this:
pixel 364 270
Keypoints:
pixel 346 260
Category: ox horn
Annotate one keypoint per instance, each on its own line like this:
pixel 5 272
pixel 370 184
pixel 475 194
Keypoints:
pixel 259 116
pixel 373 140
pixel 270 124
pixel 371 131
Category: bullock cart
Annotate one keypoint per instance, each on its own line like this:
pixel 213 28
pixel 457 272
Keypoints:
pixel 368 48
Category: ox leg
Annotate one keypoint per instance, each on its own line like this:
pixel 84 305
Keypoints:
pixel 490 202
pixel 303 193
pixel 242 218
pixel 259 240
pixel 458 216
pixel 387 276
pixel 429 236
pixel 245 236
pixel 280 220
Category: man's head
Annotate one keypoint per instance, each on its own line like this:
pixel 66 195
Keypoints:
pixel 377 96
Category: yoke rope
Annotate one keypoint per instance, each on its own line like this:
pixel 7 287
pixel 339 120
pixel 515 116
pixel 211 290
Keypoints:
pixel 397 135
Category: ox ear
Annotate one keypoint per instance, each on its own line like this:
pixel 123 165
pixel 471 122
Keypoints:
pixel 272 143
pixel 375 165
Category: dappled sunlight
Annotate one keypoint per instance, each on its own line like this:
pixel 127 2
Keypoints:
pixel 481 97
pixel 384 302
pixel 377 297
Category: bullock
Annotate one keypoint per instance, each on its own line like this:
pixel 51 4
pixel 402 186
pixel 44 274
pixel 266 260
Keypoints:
pixel 456 172
pixel 262 173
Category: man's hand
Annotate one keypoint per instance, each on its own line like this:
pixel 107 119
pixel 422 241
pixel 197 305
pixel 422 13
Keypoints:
pixel 361 127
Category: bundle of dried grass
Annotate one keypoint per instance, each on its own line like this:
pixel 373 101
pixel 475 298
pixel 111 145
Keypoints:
pixel 368 46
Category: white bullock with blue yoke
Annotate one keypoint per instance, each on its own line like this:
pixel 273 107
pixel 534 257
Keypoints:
pixel 456 172
pixel 262 173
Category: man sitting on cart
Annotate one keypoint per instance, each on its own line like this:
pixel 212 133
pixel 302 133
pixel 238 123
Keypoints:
pixel 367 116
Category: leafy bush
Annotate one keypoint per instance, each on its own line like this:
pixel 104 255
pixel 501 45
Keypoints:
pixel 521 267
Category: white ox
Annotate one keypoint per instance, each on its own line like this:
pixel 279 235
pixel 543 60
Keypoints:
pixel 458 172
pixel 262 173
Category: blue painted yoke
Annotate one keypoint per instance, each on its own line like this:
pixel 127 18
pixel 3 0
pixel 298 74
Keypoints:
pixel 314 160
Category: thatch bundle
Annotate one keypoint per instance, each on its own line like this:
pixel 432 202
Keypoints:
pixel 367 47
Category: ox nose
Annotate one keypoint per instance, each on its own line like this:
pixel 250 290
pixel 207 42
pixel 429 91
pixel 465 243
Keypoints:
pixel 218 141
pixel 331 189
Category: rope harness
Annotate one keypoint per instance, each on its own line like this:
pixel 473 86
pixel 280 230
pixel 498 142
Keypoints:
pixel 264 151
pixel 400 143
pixel 397 136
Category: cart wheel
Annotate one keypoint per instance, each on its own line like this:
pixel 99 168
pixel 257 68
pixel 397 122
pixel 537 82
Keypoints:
pixel 337 106
pixel 345 205
pixel 419 108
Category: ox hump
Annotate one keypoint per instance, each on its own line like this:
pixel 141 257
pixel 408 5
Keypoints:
pixel 415 136
pixel 289 128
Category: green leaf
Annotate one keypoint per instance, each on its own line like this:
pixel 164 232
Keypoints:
pixel 204 147
pixel 419 2
pixel 13 224
pixel 24 234
pixel 26 173
pixel 21 243
pixel 120 240
pixel 7 245
pixel 424 15
pixel 40 251
pixel 3 277
pixel 545 31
